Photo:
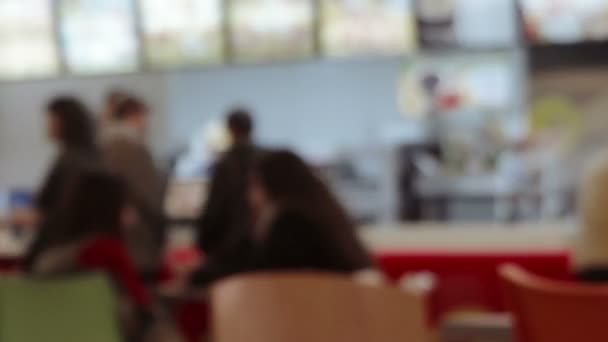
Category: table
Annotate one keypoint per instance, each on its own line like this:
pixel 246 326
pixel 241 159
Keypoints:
pixel 478 327
pixel 471 237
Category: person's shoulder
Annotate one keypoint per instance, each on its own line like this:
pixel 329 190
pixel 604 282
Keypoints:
pixel 237 152
pixel 123 149
pixel 77 157
pixel 291 219
pixel 119 142
pixel 235 157
pixel 597 168
pixel 291 214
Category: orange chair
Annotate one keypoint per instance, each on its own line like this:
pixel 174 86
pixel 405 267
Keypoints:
pixel 553 311
pixel 314 307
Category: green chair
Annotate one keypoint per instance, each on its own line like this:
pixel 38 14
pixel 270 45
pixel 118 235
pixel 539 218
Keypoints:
pixel 73 309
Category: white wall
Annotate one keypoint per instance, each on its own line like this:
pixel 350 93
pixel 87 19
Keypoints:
pixel 307 105
pixel 24 150
pixel 337 103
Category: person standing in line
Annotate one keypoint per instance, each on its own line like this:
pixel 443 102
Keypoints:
pixel 71 129
pixel 225 224
pixel 125 154
pixel 296 225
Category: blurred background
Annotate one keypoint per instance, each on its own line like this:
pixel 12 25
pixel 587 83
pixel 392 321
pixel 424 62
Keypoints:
pixel 456 134
pixel 429 110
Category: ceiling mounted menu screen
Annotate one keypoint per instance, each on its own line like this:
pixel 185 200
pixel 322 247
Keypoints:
pixel 182 32
pixel 367 27
pixel 27 44
pixel 271 30
pixel 565 21
pixel 98 36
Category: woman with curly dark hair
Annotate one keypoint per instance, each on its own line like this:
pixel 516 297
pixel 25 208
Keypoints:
pixel 299 224
pixel 71 129
pixel 296 225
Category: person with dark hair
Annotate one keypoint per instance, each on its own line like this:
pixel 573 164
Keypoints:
pixel 295 224
pixel 298 222
pixel 240 126
pixel 89 228
pixel 71 128
pixel 112 100
pixel 126 155
pixel 133 113
pixel 225 224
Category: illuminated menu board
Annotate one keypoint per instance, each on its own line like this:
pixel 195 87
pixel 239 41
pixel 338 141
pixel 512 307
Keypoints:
pixel 98 36
pixel 182 32
pixel 271 30
pixel 27 45
pixel 475 24
pixel 367 27
pixel 457 83
pixel 565 21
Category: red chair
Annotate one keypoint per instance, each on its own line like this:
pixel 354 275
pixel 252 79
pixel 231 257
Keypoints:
pixel 470 281
pixel 555 311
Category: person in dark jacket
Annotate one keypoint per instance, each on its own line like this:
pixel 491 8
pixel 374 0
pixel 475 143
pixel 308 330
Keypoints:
pixel 225 224
pixel 299 224
pixel 90 239
pixel 71 128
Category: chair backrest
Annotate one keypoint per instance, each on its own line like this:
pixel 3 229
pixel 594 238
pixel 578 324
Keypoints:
pixel 314 307
pixel 555 311
pixel 64 310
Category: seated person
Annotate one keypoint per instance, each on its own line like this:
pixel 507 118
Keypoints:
pixel 88 237
pixel 298 224
pixel 225 222
pixel 125 154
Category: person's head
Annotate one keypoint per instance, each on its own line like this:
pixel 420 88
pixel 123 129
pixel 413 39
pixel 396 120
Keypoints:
pixel 134 113
pixel 240 125
pixel 283 180
pixel 94 203
pixel 113 99
pixel 70 124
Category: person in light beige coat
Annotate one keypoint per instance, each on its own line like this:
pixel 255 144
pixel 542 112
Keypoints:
pixel 125 154
pixel 591 253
